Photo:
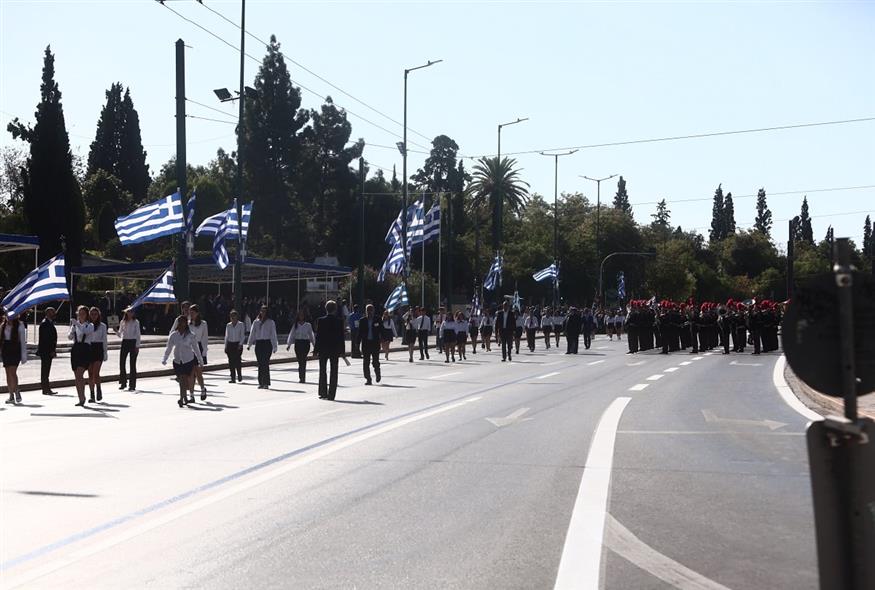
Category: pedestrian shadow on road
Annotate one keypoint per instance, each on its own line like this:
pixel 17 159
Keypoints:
pixel 28 406
pixel 209 408
pixel 98 415
pixel 106 405
pixel 396 386
pixel 222 406
pixel 56 494
pixel 363 402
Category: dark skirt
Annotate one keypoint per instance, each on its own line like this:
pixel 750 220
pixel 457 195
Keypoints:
pixel 410 337
pixel 486 331
pixel 461 337
pixel 80 355
pixel 473 331
pixel 518 333
pixel 95 352
pixel 184 369
pixel 449 337
pixel 386 335
pixel 11 354
pixel 547 329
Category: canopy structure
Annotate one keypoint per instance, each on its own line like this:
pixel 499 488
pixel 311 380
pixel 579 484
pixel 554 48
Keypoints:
pixel 12 242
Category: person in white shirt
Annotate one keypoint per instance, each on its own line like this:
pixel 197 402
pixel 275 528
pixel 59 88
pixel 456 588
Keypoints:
pixel 263 335
pixel 473 329
pixel 462 328
pixel 486 324
pixel 13 351
pixel 186 354
pixel 422 324
pixel 129 332
pixel 302 337
pixel 547 325
pixel 518 331
pixel 98 347
pixel 80 353
pixel 439 318
pixel 388 333
pixel 409 329
pixel 198 328
pixel 530 325
pixel 448 335
pixel 558 322
pixel 235 336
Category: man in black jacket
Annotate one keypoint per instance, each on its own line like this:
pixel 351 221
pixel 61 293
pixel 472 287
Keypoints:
pixel 369 328
pixel 47 348
pixel 573 326
pixel 505 325
pixel 330 344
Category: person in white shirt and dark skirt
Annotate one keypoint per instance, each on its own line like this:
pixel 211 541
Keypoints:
pixel 263 335
pixel 80 353
pixel 198 327
pixel 302 337
pixel 462 328
pixel 387 333
pixel 13 351
pixel 186 355
pixel 129 332
pixel 98 347
pixel 448 335
pixel 235 336
pixel 422 324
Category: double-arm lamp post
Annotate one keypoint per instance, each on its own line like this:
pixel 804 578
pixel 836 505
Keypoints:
pixel 598 213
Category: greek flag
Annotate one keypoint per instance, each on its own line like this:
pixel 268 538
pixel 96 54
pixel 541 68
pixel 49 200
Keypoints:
pixel 152 221
pixel 517 302
pixel 415 224
pixel 210 225
pixel 621 286
pixel 475 304
pixel 394 263
pixel 47 282
pixel 397 298
pixel 189 212
pixel 551 272
pixel 161 291
pixel 493 277
pixel 432 226
pixel 220 254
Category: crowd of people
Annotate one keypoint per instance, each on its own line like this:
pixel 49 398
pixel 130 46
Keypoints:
pixel 666 325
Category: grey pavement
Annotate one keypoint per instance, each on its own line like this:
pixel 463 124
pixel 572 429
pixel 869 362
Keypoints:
pixel 460 475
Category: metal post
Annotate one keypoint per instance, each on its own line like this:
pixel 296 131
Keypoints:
pixel 845 282
pixel 440 244
pixel 180 269
pixel 361 271
pixel 422 245
pixel 238 276
pixel 267 290
pixel 406 270
pixel 791 247
pixel 298 296
pixel 555 221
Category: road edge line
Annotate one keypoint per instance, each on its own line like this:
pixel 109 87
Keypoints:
pixel 786 392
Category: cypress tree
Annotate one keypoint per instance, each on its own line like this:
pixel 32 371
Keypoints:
pixel 621 199
pixel 763 222
pixel 728 216
pixel 717 232
pixel 52 197
pixel 806 233
pixel 868 247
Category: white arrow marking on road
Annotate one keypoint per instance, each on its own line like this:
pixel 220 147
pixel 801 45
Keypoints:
pixel 595 362
pixel 656 377
pixel 547 375
pixel 509 419
pixel 639 387
pixel 737 364
pixel 670 370
pixel 711 417
pixel 445 375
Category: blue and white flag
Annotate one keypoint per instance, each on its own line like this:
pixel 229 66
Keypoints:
pixel 493 277
pixel 432 226
pixel 415 224
pixel 220 254
pixel 517 302
pixel 475 304
pixel 161 291
pixel 397 298
pixel 210 225
pixel 394 263
pixel 189 211
pixel 621 286
pixel 149 222
pixel 551 272
pixel 47 282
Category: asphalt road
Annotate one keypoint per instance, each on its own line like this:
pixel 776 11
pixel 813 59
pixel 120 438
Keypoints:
pixel 467 475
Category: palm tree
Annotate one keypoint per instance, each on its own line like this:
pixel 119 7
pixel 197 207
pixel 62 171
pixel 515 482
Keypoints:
pixel 497 183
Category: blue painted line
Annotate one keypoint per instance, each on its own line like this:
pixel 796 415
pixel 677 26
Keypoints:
pixel 111 524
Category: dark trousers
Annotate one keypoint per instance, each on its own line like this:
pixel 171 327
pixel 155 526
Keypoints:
pixel 129 347
pixel 234 352
pixel 587 339
pixel 371 356
pixel 302 349
pixel 694 338
pixel 724 339
pixel 422 336
pixel 326 389
pixel 572 339
pixel 45 367
pixel 263 350
pixel 530 338
pixel 356 343
pixel 739 339
pixel 506 343
pixel 632 338
pixel 755 335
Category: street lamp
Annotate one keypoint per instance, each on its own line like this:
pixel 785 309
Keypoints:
pixel 403 148
pixel 499 213
pixel 598 210
pixel 556 210
pixel 602 268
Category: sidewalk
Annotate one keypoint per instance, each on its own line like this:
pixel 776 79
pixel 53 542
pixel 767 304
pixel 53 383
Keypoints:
pixel 821 402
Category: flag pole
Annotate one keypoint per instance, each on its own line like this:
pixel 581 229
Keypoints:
pixel 440 242
pixel 422 242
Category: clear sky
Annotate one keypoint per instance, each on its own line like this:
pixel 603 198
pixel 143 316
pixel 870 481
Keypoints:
pixel 584 73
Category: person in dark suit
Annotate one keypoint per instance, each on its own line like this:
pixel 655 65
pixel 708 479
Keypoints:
pixel 47 349
pixel 369 331
pixel 573 326
pixel 330 344
pixel 505 326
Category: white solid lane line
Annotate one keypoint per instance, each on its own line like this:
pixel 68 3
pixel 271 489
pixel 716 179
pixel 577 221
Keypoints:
pixel 639 386
pixel 595 362
pixel 787 394
pixel 547 375
pixel 445 375
pixel 581 559
pixel 685 363
pixel 670 370
pixel 656 377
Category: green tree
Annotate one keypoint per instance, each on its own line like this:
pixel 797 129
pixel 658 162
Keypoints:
pixel 51 195
pixel 499 185
pixel 806 233
pixel 662 218
pixel 105 199
pixel 717 232
pixel 868 247
pixel 728 216
pixel 763 222
pixel 621 199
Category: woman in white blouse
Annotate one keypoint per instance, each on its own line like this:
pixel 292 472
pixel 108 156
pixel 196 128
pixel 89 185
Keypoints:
pixel 462 328
pixel 80 353
pixel 13 351
pixel 186 356
pixel 301 335
pixel 448 335
pixel 129 332
pixel 198 329
pixel 98 347
pixel 387 333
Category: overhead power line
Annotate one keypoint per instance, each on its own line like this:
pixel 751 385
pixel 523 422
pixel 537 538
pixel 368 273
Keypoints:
pixel 210 119
pixel 779 194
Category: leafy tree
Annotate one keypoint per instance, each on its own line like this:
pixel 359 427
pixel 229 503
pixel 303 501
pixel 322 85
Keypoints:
pixel 728 216
pixel 662 217
pixel 806 233
pixel 621 199
pixel 439 173
pixel 105 200
pixel 498 184
pixel 747 253
pixel 868 247
pixel 51 195
pixel 763 222
pixel 718 227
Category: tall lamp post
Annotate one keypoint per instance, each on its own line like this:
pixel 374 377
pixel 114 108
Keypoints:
pixel 556 210
pixel 499 213
pixel 403 148
pixel 598 214
pixel 611 255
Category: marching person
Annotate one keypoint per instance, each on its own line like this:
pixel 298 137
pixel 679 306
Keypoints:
pixel 301 335
pixel 198 327
pixel 47 349
pixel 329 347
pixel 740 328
pixel 518 330
pixel 558 324
pixel 547 325
pixel 263 335
pixel 486 323
pixel 129 332
pixel 13 352
pixel 462 328
pixel 235 337
pixel 422 324
pixel 505 326
pixel 587 327
pixel 448 336
pixel 98 346
pixel 572 330
pixel 439 334
pixel 370 333
pixel 409 330
pixel 354 335
pixel 474 329
pixel 387 333
pixel 80 353
pixel 186 353
pixel 530 324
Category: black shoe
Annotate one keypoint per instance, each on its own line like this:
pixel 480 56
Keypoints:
pixel 121 385
pixel 203 395
pixel 181 403
pixel 446 361
pixel 91 399
pixel 99 395
pixel 232 381
pixel 11 399
pixel 80 404
pixel 190 400
pixel 378 377
pixel 132 388
pixel 368 382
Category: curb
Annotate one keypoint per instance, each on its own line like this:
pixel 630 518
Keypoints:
pixel 816 400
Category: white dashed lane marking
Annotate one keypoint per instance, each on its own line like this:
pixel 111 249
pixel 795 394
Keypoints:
pixel 638 386
pixel 685 363
pixel 595 362
pixel 548 375
pixel 656 377
pixel 670 370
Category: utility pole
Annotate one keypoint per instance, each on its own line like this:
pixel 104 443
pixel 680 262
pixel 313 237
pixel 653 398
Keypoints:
pixel 361 271
pixel 238 262
pixel 598 212
pixel 499 213
pixel 180 267
pixel 556 212
pixel 450 240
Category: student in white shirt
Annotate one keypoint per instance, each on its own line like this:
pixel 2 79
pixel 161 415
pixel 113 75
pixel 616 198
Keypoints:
pixel 302 337
pixel 388 333
pixel 13 351
pixel 486 323
pixel 198 328
pixel 473 330
pixel 547 325
pixel 263 335
pixel 462 328
pixel 80 353
pixel 186 354
pixel 235 336
pixel 98 347
pixel 448 335
pixel 530 325
pixel 422 324
pixel 129 332
pixel 518 330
